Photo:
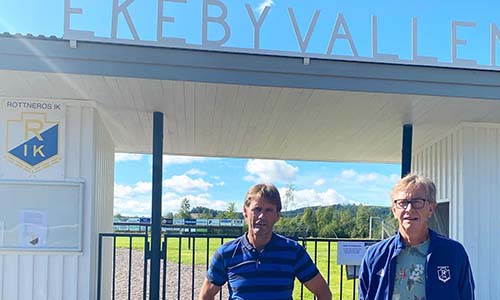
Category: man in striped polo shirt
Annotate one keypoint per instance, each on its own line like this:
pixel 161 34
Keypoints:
pixel 262 264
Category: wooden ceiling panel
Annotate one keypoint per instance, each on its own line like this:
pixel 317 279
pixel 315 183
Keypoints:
pixel 230 120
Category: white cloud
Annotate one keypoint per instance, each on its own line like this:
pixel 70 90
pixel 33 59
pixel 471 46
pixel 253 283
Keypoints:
pixel 180 160
pixel 143 187
pixel 372 177
pixel 394 178
pixel 172 202
pixel 270 171
pixel 122 190
pixel 140 187
pixel 196 172
pixel 135 200
pixel 350 173
pixel 263 5
pixel 132 207
pixel 369 188
pixel 311 197
pixel 119 157
pixel 319 182
pixel 184 183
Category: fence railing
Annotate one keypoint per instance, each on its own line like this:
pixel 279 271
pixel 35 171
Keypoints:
pixel 123 266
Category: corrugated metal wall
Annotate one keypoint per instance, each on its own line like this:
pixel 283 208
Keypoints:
pixel 465 165
pixel 33 275
pixel 103 204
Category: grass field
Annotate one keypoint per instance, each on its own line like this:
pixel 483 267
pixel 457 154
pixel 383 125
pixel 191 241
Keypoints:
pixel 204 248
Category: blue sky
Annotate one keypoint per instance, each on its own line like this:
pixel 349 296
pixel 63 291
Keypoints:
pixel 214 182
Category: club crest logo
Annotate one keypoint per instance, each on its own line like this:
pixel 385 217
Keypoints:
pixel 444 273
pixel 32 141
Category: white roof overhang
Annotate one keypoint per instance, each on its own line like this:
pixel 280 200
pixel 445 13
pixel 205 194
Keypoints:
pixel 247 105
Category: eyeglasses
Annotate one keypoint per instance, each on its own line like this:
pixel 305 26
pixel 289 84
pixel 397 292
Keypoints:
pixel 416 203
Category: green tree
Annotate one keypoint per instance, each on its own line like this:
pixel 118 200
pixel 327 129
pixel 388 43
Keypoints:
pixel 345 223
pixel 362 223
pixel 285 226
pixel 185 211
pixel 206 214
pixel 230 212
pixel 321 217
pixel 288 199
pixel 221 215
pixel 328 231
pixel 329 213
pixel 309 219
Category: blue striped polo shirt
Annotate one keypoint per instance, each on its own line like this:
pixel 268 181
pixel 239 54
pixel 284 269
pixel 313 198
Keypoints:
pixel 266 274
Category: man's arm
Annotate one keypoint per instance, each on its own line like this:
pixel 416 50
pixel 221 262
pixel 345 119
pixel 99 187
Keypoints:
pixel 364 280
pixel 317 285
pixel 208 290
pixel 466 280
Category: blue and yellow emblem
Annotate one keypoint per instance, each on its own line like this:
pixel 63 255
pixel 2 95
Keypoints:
pixel 32 141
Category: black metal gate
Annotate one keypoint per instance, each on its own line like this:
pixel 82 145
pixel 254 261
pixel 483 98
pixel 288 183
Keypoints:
pixel 184 261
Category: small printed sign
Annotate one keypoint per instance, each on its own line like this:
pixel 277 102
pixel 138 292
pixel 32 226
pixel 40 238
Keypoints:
pixel 165 221
pixel 146 220
pixel 213 222
pixel 238 222
pixel 178 222
pixel 351 252
pixel 33 227
pixel 201 222
pixel 133 227
pixel 226 222
pixel 189 222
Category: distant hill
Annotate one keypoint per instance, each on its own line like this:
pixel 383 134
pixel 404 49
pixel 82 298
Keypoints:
pixel 334 221
pixel 379 211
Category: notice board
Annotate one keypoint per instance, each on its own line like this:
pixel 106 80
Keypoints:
pixel 41 215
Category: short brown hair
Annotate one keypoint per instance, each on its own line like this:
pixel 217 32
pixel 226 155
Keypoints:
pixel 413 181
pixel 266 191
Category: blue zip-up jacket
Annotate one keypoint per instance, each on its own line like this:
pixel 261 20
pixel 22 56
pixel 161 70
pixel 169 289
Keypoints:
pixel 448 274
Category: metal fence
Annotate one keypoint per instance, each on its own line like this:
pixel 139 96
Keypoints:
pixel 185 260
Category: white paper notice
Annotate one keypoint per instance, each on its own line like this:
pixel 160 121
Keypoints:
pixel 32 228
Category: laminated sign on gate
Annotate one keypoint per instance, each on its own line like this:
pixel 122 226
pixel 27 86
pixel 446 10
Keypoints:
pixel 33 135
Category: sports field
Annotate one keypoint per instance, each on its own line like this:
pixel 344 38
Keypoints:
pixel 200 250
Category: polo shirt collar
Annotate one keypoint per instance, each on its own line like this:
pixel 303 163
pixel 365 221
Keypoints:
pixel 249 247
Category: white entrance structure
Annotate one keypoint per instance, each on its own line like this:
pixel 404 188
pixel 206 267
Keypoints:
pixel 242 105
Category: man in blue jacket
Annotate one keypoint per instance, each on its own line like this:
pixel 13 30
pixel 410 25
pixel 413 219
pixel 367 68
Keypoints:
pixel 416 263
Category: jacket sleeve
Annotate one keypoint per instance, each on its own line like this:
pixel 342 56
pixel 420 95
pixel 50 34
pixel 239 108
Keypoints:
pixel 466 280
pixel 364 280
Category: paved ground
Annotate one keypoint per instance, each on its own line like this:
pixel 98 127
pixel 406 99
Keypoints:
pixel 187 288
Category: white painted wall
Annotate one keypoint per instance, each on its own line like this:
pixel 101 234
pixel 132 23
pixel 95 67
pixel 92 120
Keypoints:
pixel 32 275
pixel 103 205
pixel 465 164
